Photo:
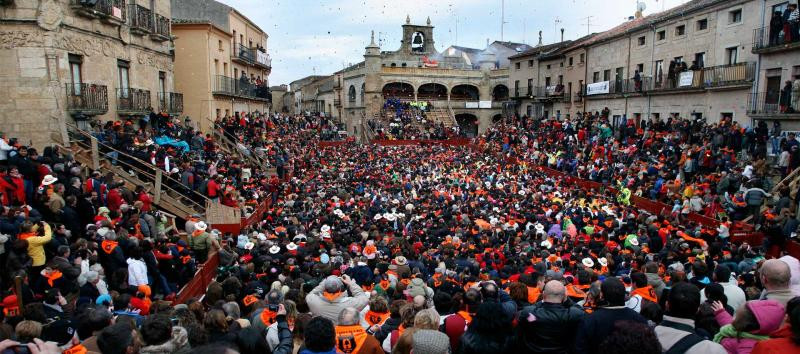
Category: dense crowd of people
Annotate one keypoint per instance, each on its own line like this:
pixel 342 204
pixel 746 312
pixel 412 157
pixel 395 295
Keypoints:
pixel 424 249
pixel 409 120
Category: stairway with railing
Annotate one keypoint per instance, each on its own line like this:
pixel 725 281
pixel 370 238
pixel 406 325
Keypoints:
pixel 167 192
pixel 792 180
pixel 228 143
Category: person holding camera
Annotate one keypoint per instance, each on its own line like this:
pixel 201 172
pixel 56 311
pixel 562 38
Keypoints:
pixel 330 297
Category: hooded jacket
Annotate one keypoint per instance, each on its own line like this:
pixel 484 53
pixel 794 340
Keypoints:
pixel 768 313
pixel 655 281
pixel 330 309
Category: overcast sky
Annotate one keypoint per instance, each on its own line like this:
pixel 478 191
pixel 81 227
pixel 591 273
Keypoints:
pixel 309 37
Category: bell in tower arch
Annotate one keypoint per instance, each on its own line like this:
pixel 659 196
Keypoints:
pixel 418 39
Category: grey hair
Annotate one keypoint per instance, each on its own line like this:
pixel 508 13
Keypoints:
pixel 348 317
pixel 427 319
pixel 231 310
pixel 332 284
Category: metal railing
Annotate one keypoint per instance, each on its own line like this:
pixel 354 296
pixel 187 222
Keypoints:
pixel 244 53
pixel 141 18
pixel 728 75
pixel 161 26
pixel 224 85
pixel 579 94
pixel 133 100
pixel 110 8
pixel 763 38
pixel 764 103
pixel 87 98
pixel 664 83
pixel 170 102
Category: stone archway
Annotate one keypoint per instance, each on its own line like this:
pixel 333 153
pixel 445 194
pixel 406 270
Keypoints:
pixel 432 91
pixel 398 90
pixel 468 123
pixel 464 92
pixel 500 93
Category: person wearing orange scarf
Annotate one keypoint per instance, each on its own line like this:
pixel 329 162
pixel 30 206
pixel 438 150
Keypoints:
pixel 642 292
pixel 331 296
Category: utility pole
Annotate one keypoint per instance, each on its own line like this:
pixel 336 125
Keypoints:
pixel 555 29
pixel 588 23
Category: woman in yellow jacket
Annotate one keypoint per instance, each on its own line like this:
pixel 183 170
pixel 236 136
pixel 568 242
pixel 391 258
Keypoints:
pixel 36 243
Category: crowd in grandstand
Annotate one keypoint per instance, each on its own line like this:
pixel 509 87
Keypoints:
pixel 430 249
pixel 409 120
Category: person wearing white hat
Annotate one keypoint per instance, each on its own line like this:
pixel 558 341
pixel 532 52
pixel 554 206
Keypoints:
pixel 587 262
pixel 291 246
pixel 48 180
pixel 200 241
pixel 275 249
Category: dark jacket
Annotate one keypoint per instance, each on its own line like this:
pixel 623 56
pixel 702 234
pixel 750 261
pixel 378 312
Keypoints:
pixel 547 327
pixel 596 327
pixel 387 327
pixel 478 343
pixel 70 272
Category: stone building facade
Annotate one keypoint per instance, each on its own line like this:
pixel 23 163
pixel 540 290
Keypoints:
pixel 712 38
pixel 222 65
pixel 418 72
pixel 66 62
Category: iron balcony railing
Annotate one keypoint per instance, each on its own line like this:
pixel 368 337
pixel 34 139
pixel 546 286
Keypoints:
pixel 132 100
pixel 224 85
pixel 87 98
pixel 663 82
pixel 729 75
pixel 244 53
pixel 141 18
pixel 626 86
pixel 260 57
pixel 579 94
pixel 764 103
pixel 109 8
pixel 170 102
pixel 764 38
pixel 161 26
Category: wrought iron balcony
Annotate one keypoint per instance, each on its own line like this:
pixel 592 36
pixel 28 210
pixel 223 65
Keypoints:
pixel 88 99
pixel 767 105
pixel 132 101
pixel 170 102
pixel 243 54
pixel 229 86
pixel 141 19
pixel 729 75
pixel 767 41
pixel 161 28
pixel 110 10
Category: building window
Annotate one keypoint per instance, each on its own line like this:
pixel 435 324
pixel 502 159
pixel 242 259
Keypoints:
pixel 678 60
pixel 642 40
pixel 547 81
pixel 529 110
pixel 735 16
pixel 658 70
pixel 403 65
pixel 570 61
pixel 700 59
pixel 661 35
pixel 530 87
pixel 548 66
pixel 595 76
pixel 123 68
pixel 351 94
pixel 219 45
pixel 606 75
pixel 640 68
pixel 582 57
pixel 75 62
pixel 731 55
pixel 516 65
pixel 530 63
pixel 560 79
pixel 702 24
pixel 516 88
pixel 680 30
pixel 394 65
pixel 162 82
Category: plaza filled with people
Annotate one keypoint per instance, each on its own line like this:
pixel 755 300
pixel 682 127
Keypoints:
pixel 426 248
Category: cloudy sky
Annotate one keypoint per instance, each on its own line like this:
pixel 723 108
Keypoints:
pixel 309 37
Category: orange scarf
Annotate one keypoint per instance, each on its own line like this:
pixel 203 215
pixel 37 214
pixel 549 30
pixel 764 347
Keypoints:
pixel 375 318
pixel 350 339
pixel 466 316
pixel 78 349
pixel 533 294
pixel 196 233
pixel 108 246
pixel 52 277
pixel 646 293
pixel 268 317
pixel 331 296
pixel 26 235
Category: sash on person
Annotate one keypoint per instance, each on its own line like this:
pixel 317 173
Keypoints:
pixel 349 339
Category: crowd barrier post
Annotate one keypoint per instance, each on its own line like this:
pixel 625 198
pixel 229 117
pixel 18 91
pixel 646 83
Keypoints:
pixel 95 154
pixel 157 192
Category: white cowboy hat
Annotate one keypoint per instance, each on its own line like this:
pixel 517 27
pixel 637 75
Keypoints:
pixel 390 217
pixel 339 212
pixel 539 227
pixel 48 180
pixel 377 217
pixel 149 142
pixel 261 236
pixel 291 246
pixel 274 249
pixel 635 241
pixel 395 201
pixel 325 228
pixel 603 261
pixel 521 192
pixel 588 262
pixel 409 207
pixel 400 260
pixel 200 225
pixel 299 237
pixel 546 244
pixel 249 245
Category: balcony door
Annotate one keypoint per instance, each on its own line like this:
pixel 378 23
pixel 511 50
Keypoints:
pixel 124 80
pixel 75 62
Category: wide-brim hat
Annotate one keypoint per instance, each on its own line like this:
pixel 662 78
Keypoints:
pixel 201 225
pixel 634 241
pixel 400 260
pixel 249 245
pixel 274 249
pixel 390 217
pixel 603 261
pixel 377 217
pixel 291 246
pixel 546 244
pixel 48 180
pixel 325 228
pixel 587 262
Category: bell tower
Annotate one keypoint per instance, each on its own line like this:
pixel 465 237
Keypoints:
pixel 418 39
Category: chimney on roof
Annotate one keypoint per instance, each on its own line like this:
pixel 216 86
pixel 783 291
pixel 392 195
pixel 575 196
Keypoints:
pixel 540 39
pixel 562 34
pixel 487 42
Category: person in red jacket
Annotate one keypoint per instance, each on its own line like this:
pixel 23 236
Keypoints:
pixel 787 338
pixel 114 200
pixel 145 198
pixel 213 189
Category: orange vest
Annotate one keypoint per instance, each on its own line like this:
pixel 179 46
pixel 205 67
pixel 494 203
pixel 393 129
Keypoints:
pixel 349 339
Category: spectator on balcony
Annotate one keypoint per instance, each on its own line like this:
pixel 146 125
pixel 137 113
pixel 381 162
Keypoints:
pixel 790 17
pixel 786 97
pixel 775 27
pixel 637 81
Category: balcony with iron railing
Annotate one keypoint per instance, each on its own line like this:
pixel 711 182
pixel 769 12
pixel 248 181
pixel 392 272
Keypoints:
pixel 161 28
pixel 773 41
pixel 170 102
pixel 112 11
pixel 685 81
pixel 578 97
pixel 624 87
pixel 261 58
pixel 733 75
pixel 141 19
pixel 133 101
pixel 243 55
pixel 88 99
pixel 229 86
pixel 767 105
